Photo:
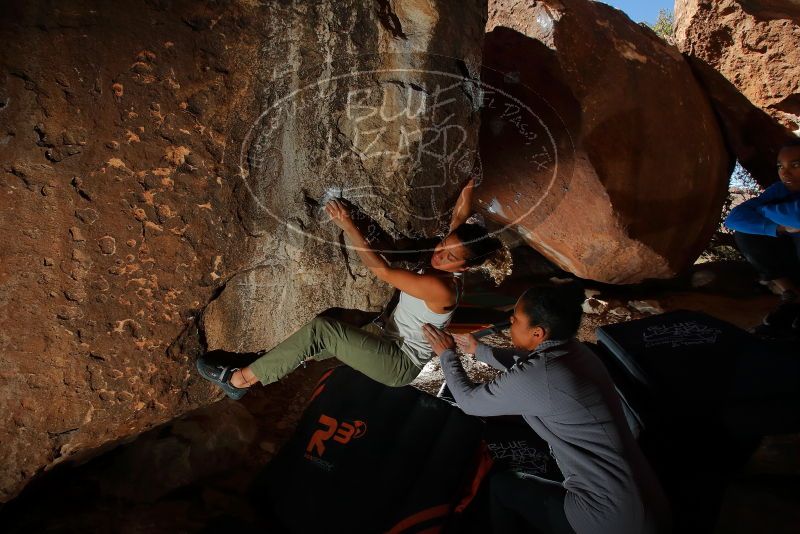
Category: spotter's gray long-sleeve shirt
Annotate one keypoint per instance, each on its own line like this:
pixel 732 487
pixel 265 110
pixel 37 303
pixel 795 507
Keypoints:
pixel 566 395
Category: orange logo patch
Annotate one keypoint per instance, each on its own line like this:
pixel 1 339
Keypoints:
pixel 342 433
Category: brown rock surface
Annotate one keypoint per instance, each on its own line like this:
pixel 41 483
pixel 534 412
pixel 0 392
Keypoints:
pixel 151 163
pixel 747 54
pixel 772 8
pixel 604 153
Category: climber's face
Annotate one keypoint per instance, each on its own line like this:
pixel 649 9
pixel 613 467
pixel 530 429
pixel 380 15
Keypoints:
pixel 789 167
pixel 450 255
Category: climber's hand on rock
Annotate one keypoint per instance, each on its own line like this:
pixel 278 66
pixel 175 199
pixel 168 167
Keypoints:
pixel 339 213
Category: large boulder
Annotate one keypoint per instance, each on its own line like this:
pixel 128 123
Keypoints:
pixel 597 143
pixel 160 155
pixel 395 132
pixel 747 54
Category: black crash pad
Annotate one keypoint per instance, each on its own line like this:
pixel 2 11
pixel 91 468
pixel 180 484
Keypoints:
pixel 370 458
pixel 695 366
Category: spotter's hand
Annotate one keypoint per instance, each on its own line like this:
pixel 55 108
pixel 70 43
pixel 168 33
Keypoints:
pixel 467 343
pixel 339 213
pixel 439 340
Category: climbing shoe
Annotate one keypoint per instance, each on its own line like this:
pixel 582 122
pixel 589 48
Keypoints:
pixel 221 376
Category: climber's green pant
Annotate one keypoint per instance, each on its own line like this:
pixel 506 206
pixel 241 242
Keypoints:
pixel 363 349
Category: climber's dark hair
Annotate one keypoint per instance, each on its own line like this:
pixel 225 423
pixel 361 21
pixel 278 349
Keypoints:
pixel 478 242
pixel 556 308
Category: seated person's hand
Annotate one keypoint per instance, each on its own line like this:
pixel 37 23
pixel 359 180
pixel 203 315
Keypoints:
pixel 788 230
pixel 439 340
pixel 467 343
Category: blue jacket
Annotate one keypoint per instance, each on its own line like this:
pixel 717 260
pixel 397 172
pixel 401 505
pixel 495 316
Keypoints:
pixel 776 206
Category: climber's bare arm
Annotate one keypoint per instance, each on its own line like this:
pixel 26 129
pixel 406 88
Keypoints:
pixel 339 213
pixel 432 289
pixel 463 208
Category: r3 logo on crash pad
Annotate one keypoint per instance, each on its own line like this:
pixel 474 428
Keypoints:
pixel 332 429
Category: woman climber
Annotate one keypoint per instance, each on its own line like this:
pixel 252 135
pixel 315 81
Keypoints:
pixel 395 354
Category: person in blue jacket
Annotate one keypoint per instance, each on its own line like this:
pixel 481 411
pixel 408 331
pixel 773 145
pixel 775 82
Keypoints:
pixel 767 232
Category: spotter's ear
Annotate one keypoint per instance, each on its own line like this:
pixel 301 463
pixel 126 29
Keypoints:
pixel 538 332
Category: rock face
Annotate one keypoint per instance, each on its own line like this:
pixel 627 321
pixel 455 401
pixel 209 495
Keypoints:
pixel 747 54
pixel 157 156
pixel 395 132
pixel 772 8
pixel 597 143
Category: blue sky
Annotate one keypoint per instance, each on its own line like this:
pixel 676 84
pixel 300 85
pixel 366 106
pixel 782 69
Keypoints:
pixel 641 10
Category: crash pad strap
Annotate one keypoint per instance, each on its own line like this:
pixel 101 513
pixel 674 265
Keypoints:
pixel 442 510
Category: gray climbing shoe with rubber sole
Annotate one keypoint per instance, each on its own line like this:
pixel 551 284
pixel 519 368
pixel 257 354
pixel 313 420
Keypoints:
pixel 221 376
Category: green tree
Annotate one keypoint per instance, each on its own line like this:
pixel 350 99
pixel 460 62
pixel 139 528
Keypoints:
pixel 665 26
pixel 742 187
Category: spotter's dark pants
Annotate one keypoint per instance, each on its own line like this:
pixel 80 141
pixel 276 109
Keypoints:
pixel 773 257
pixel 527 503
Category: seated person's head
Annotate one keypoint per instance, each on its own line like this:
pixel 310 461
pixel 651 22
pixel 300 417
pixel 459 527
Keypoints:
pixel 546 312
pixel 789 165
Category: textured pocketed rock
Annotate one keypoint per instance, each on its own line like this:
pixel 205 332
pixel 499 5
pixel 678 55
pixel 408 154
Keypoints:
pixel 586 152
pixel 150 155
pixel 747 54
pixel 107 244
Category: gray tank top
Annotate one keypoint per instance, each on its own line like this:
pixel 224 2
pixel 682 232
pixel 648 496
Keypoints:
pixel 405 324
